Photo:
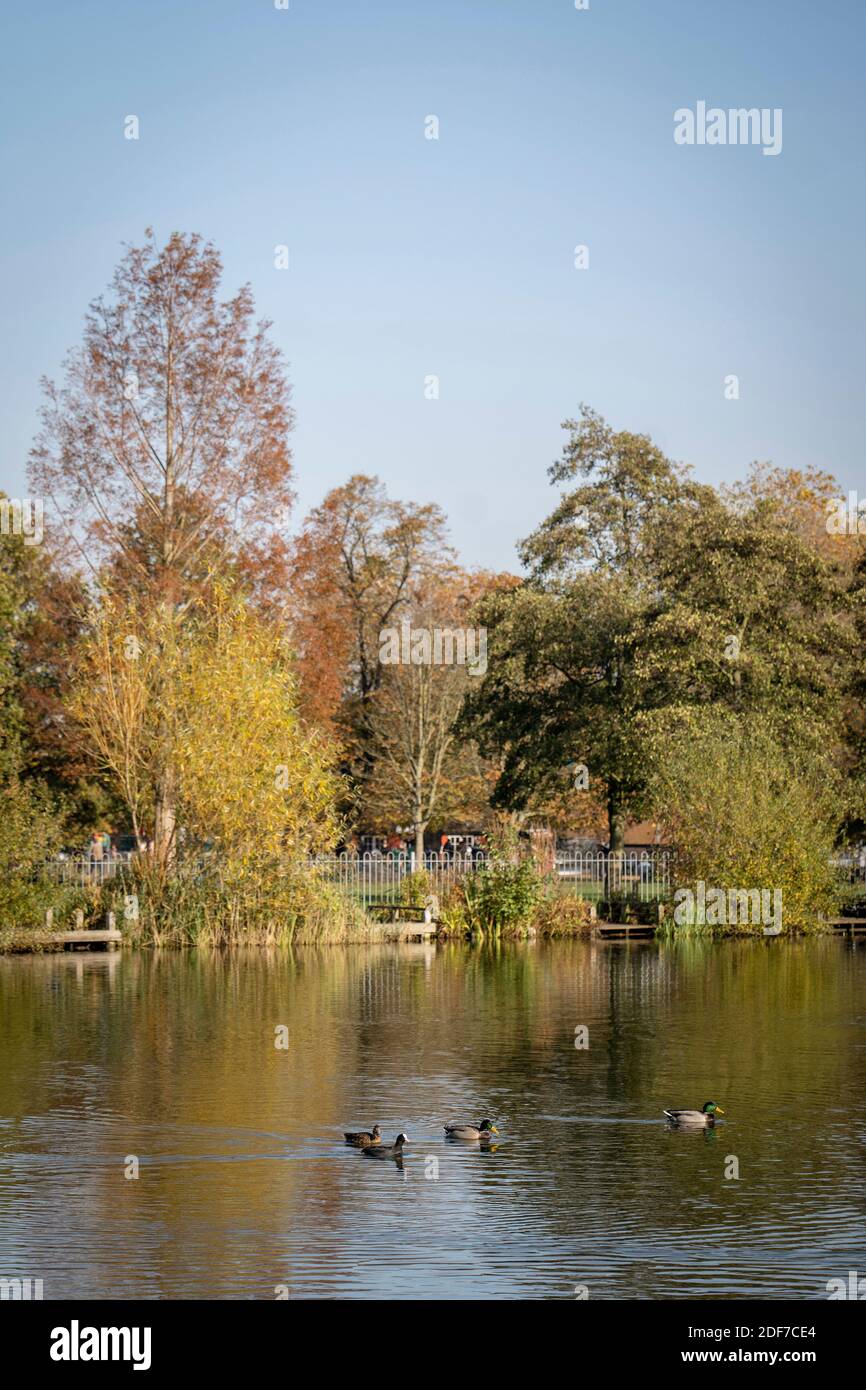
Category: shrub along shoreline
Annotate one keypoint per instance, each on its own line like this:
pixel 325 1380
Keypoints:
pixel 507 899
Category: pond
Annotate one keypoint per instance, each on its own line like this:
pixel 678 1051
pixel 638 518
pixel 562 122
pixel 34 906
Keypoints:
pixel 169 1064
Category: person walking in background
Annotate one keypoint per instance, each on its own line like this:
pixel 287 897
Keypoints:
pixel 95 853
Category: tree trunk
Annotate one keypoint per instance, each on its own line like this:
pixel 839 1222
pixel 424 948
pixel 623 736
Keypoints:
pixel 164 838
pixel 165 784
pixel 419 827
pixel 615 819
pixel 164 827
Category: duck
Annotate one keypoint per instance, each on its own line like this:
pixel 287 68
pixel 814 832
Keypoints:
pixel 394 1150
pixel 705 1116
pixel 482 1130
pixel 362 1139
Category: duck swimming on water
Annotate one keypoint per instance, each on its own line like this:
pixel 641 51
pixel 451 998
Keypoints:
pixel 363 1138
pixel 394 1150
pixel 705 1117
pixel 482 1130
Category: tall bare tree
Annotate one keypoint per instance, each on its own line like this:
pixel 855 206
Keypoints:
pixel 423 766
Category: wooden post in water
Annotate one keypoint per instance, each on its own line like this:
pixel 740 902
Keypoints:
pixel 109 920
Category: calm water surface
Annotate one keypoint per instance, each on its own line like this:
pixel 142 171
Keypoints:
pixel 245 1183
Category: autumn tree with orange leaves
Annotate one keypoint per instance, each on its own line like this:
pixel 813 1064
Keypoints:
pixel 165 449
pixel 357 565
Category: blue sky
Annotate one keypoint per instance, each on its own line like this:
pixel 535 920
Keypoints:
pixel 411 257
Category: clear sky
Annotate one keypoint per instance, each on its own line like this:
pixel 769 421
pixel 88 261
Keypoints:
pixel 454 257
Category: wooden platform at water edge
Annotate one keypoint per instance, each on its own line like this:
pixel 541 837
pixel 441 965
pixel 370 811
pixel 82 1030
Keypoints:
pixel 624 931
pixel 855 925
pixel 413 927
pixel 105 939
pixel 408 931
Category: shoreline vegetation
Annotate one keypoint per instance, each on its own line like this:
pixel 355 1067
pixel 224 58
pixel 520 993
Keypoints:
pixel 509 899
pixel 23 941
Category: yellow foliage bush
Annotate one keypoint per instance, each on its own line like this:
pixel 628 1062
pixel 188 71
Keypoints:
pixel 208 699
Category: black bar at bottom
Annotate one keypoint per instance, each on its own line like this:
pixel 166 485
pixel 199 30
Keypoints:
pixel 159 1338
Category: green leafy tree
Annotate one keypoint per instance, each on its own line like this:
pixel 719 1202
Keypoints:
pixel 745 813
pixel 648 593
pixel 855 760
pixel 753 618
pixel 566 677
pixel 42 612
pixel 563 690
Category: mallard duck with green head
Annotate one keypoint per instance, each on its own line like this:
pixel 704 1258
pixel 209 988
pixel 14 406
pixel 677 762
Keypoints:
pixel 363 1138
pixel 482 1130
pixel 706 1116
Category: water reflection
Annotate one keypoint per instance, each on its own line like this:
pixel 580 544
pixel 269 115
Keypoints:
pixel 245 1181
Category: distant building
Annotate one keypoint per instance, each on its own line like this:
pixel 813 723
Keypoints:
pixel 639 836
pixel 645 834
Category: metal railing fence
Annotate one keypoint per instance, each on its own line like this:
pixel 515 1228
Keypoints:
pixel 641 874
pixel 591 874
pixel 82 871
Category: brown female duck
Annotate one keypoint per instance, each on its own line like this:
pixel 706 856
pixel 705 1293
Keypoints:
pixel 364 1138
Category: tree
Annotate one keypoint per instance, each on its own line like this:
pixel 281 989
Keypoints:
pixel 175 410
pixel 12 557
pixel 565 682
pixel 42 611
pixel 167 442
pixel 803 500
pixel 748 816
pixel 357 566
pixel 649 593
pixel 806 502
pixel 29 834
pixel 755 619
pixel 563 689
pixel 421 764
pixel 36 762
pixel 253 779
pixel 216 699
pixel 624 486
pixel 855 759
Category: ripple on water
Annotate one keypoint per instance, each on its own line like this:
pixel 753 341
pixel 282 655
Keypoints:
pixel 245 1184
